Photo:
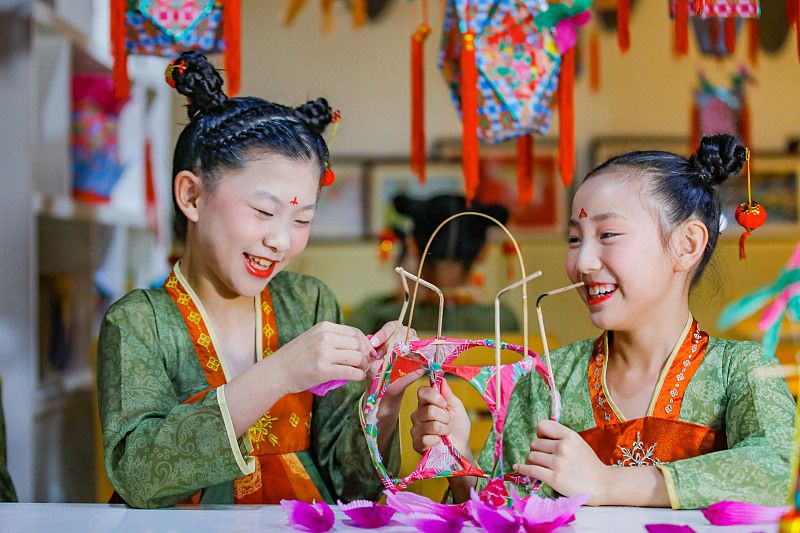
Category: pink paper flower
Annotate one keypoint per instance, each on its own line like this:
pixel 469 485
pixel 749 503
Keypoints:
pixel 492 518
pixel 367 514
pixel 324 388
pixel 542 515
pixel 668 528
pixel 409 503
pixel 431 523
pixel 729 513
pixel 316 517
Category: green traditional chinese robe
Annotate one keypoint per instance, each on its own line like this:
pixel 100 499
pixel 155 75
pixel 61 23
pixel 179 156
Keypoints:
pixel 729 395
pixel 7 493
pixel 160 451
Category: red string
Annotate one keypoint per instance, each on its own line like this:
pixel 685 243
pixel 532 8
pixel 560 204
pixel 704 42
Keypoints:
pixel 623 25
pixel 682 27
pixel 119 72
pixel 566 118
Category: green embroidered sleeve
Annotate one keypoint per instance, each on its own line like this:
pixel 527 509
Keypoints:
pixel 759 421
pixel 158 452
pixel 7 493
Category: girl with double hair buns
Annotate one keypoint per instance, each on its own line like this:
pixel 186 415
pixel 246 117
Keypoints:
pixel 656 412
pixel 204 382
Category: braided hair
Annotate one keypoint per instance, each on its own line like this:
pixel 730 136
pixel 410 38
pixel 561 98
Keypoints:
pixel 683 188
pixel 222 132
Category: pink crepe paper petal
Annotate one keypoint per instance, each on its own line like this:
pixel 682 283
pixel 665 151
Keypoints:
pixel 565 35
pixel 541 515
pixel 324 388
pixel 668 528
pixel 410 503
pixel 315 517
pixel 582 18
pixel 431 523
pixel 730 513
pixel 366 514
pixel 494 519
pixel 775 310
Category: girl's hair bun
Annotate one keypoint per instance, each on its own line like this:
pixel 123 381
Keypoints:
pixel 718 158
pixel 195 77
pixel 317 114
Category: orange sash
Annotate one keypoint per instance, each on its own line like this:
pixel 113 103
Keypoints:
pixel 280 432
pixel 660 437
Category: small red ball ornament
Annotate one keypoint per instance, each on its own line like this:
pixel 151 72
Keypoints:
pixel 749 215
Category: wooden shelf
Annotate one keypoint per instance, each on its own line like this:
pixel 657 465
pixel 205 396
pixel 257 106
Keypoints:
pixel 85 59
pixel 67 209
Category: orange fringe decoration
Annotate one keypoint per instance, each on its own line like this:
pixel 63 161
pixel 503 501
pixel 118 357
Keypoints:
pixel 291 11
pixel 327 16
pixel 594 62
pixel 566 118
pixel 623 25
pixel 730 35
pixel 119 73
pixel 694 128
pixel 752 41
pixel 469 116
pixel 359 12
pixel 232 34
pixel 525 187
pixel 682 27
pixel 418 155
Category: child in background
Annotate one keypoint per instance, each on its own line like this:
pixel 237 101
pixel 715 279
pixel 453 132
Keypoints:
pixel 448 265
pixel 695 416
pixel 203 382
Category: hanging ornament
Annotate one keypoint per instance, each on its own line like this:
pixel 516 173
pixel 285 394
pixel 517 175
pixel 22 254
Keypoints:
pixel 502 72
pixel 418 147
pixel 166 28
pixel 329 177
pixel 715 22
pixel 594 62
pixel 749 215
pixel 386 241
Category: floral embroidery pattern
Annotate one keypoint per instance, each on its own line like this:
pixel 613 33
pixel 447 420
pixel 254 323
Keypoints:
pixel 636 455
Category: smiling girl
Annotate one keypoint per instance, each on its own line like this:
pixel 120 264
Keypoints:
pixel 203 382
pixel 691 418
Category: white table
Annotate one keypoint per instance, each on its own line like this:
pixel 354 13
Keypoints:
pixel 86 518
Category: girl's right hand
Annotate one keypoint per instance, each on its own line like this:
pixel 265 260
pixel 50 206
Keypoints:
pixel 325 352
pixel 439 415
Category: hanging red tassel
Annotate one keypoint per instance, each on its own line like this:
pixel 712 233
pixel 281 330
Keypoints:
pixel 730 34
pixel 469 115
pixel 714 33
pixel 566 118
pixel 698 7
pixel 232 33
pixel 594 62
pixel 682 27
pixel 742 254
pixel 418 148
pixel 694 128
pixel 744 124
pixel 623 25
pixel 327 16
pixel 525 169
pixel 791 11
pixel 752 41
pixel 119 73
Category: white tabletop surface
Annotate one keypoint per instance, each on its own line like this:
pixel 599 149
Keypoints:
pixel 85 518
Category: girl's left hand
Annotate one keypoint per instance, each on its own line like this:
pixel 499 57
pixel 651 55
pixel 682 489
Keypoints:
pixel 562 459
pixel 383 341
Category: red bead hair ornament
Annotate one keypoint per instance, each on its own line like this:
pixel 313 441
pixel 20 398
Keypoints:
pixel 329 177
pixel 749 215
pixel 170 72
